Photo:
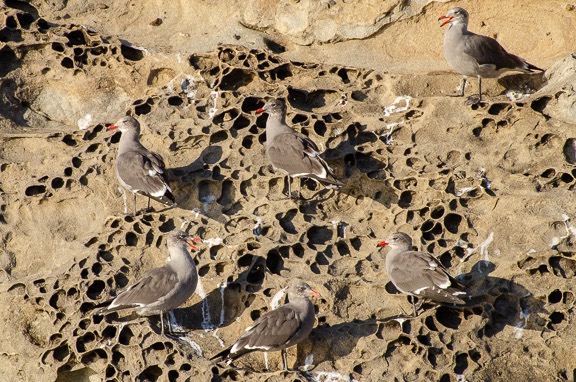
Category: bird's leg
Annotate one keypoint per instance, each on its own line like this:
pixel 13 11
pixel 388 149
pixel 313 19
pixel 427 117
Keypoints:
pixel 162 323
pixel 170 330
pixel 479 89
pixel 134 204
pixel 148 208
pixel 299 187
pixel 123 193
pixel 266 360
pixel 417 306
pixel 473 100
pixel 462 86
pixel 284 359
pixel 288 179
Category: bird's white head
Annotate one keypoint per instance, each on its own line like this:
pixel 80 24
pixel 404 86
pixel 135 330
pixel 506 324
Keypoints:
pixel 275 106
pixel 126 123
pixel 397 240
pixel 454 17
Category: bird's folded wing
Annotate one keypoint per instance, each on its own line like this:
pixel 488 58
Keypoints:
pixel 154 286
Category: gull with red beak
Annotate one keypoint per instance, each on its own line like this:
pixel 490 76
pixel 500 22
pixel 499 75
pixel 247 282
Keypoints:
pixel 162 289
pixel 292 153
pixel 138 169
pixel 420 274
pixel 474 55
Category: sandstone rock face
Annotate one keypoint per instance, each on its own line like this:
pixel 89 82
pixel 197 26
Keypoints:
pixel 306 22
pixel 487 188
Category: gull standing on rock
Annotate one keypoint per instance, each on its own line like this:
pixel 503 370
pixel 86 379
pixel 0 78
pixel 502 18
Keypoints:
pixel 278 329
pixel 474 55
pixel 293 153
pixel 138 169
pixel 165 288
pixel 420 274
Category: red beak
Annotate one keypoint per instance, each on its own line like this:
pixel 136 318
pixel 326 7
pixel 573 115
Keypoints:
pixel 111 127
pixel 448 20
pixel 260 111
pixel 382 244
pixel 191 240
pixel 315 294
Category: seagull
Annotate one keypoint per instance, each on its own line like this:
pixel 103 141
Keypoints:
pixel 165 288
pixel 475 55
pixel 138 169
pixel 277 329
pixel 292 153
pixel 420 274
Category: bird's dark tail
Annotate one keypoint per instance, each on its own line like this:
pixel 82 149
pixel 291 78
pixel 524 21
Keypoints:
pixel 533 67
pixel 224 354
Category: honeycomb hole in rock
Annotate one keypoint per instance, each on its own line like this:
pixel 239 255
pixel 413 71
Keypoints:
pixel 437 212
pixel 274 262
pixel 57 183
pixel 256 274
pixel 563 267
pixel 175 101
pixel 83 340
pixel 280 73
pixel 540 104
pixel 461 363
pixel 120 280
pixel 452 222
pixel 56 300
pixel 319 235
pixel 58 47
pixel 126 335
pixel 110 371
pixel 142 109
pixel 109 332
pixel 447 317
pixel 151 373
pixel 556 318
pixel 130 53
pixel 173 375
pixel 406 198
pixel 117 358
pixel 67 63
pixel 35 190
pixel 218 137
pixel 497 108
pixel 286 221
pixel 131 239
pixel 236 79
pixel 555 297
pixel 95 289
pixel 424 339
pixel 251 104
pixel 94 356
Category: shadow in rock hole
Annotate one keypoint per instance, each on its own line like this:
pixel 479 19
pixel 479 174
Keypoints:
pixel 504 302
pixel 222 306
pixel 200 187
pixel 331 342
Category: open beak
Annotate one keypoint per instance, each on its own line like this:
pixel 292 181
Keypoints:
pixel 447 19
pixel 191 241
pixel 111 127
pixel 382 244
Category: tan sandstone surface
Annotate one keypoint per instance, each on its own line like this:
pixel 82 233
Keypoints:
pixel 487 188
